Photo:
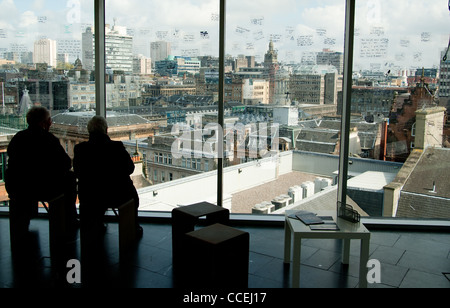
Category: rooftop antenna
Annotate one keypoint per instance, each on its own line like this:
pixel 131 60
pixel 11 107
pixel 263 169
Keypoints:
pixel 448 47
pixel 434 188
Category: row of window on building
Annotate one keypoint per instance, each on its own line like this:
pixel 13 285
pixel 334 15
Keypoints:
pixel 160 167
pixel 190 163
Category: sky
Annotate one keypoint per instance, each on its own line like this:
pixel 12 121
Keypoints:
pixel 388 34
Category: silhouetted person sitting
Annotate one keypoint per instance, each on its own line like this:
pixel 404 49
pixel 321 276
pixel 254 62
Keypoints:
pixel 103 168
pixel 38 169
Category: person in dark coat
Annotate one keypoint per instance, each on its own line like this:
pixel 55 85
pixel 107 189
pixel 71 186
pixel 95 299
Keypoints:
pixel 38 169
pixel 103 168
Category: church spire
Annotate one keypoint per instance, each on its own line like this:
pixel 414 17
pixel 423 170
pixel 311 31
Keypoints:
pixel 25 102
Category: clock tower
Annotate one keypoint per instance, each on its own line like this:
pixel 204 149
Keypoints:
pixel 271 67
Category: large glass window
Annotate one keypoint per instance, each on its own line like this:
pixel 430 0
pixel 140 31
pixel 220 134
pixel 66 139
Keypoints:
pixel 163 56
pixel 282 84
pixel 399 109
pixel 286 63
pixel 42 63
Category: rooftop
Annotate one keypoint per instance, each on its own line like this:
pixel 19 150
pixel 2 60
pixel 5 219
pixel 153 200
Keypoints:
pixel 434 165
pixel 260 180
pixel 371 180
pixel 80 119
pixel 243 201
pixel 426 190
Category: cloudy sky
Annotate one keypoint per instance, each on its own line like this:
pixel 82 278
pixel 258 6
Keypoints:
pixel 389 34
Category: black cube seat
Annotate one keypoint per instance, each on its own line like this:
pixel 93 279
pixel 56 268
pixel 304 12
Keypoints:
pixel 218 257
pixel 184 220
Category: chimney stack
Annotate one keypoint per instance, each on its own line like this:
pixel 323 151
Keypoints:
pixel 429 127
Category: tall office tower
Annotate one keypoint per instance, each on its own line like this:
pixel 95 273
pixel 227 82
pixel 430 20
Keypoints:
pixel 314 87
pixel 45 52
pixel 444 80
pixel 87 49
pixel 142 65
pixel 119 49
pixel 329 57
pixel 159 51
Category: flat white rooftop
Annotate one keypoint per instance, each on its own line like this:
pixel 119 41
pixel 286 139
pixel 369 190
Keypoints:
pixel 371 180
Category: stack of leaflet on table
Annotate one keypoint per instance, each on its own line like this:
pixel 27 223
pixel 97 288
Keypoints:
pixel 315 222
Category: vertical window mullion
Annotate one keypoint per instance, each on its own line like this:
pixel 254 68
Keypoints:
pixel 100 60
pixel 221 102
pixel 346 103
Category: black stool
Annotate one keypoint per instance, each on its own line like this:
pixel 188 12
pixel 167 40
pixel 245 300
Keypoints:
pixel 57 220
pixel 184 220
pixel 22 211
pixel 92 222
pixel 127 225
pixel 218 257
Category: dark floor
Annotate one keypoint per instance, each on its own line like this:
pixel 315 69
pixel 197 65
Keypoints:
pixel 408 259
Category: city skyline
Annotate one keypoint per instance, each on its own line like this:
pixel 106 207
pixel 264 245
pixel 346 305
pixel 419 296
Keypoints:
pixel 387 35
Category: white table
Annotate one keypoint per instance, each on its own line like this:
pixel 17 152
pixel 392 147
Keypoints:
pixel 347 231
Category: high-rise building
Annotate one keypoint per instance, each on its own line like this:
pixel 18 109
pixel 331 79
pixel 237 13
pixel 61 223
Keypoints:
pixel 45 52
pixel 444 80
pixel 329 57
pixel 177 65
pixel 87 49
pixel 159 51
pixel 19 56
pixel 314 88
pixel 142 65
pixel 119 49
